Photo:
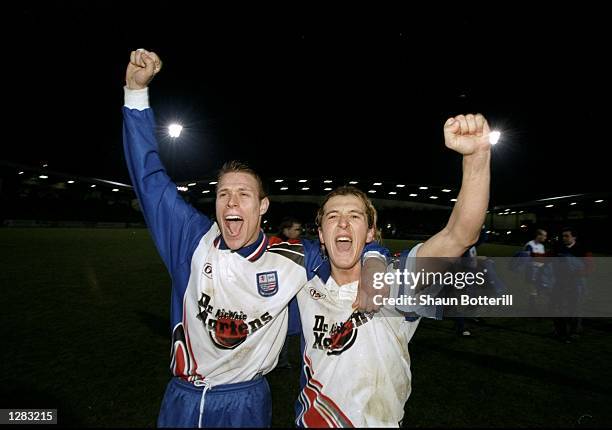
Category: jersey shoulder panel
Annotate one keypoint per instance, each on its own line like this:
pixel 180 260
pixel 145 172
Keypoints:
pixel 293 250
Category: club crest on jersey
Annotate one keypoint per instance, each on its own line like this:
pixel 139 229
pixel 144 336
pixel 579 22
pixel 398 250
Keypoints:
pixel 267 283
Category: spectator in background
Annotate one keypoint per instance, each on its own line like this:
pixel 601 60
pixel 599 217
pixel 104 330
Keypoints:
pixel 570 284
pixel 533 272
pixel 289 230
pixel 536 246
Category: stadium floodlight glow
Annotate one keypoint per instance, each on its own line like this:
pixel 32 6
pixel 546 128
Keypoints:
pixel 494 137
pixel 508 232
pixel 521 212
pixel 301 181
pixel 501 213
pixel 327 189
pixel 265 221
pixel 550 206
pixel 284 188
pixel 453 200
pixel 93 186
pixel 193 184
pixel 377 184
pixel 182 188
pixel 353 183
pixel 413 195
pixel 400 185
pixel 488 231
pixel 71 182
pixel 422 188
pixel 174 130
pixel 278 181
pixel 328 181
pixel 45 165
pixel 21 173
pixel 388 225
pixel 446 190
pixel 523 225
pixel 212 183
pixel 433 197
pixel 305 188
pixel 43 176
pixel 371 191
pixel 598 201
pixel 392 193
pixel 513 212
pixel 573 204
pixel 205 191
pixel 115 190
pixel 507 210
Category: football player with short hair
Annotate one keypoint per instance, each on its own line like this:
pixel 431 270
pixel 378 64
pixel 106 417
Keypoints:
pixel 229 289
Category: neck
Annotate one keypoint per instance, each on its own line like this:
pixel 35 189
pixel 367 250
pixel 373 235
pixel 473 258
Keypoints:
pixel 346 276
pixel 253 240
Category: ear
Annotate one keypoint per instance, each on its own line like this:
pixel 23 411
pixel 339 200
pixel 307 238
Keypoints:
pixel 264 204
pixel 321 236
pixel 371 235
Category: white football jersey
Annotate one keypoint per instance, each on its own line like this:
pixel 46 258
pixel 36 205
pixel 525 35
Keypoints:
pixel 356 366
pixel 228 308
pixel 535 247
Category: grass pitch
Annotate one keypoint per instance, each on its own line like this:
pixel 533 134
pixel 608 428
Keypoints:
pixel 85 329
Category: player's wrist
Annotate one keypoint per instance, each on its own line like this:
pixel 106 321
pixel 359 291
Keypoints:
pixel 480 157
pixel 136 98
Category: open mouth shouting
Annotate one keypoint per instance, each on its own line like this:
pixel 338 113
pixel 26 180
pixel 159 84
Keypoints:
pixel 344 242
pixel 233 225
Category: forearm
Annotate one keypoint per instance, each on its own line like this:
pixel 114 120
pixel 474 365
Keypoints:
pixel 467 217
pixel 470 209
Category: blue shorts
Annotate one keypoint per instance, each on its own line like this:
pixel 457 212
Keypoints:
pixel 244 404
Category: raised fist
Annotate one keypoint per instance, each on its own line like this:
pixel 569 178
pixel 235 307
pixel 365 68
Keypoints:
pixel 467 134
pixel 143 66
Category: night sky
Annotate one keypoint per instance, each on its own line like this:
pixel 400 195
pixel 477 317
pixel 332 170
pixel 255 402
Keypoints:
pixel 305 91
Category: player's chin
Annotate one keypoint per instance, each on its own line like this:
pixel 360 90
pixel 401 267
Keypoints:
pixel 344 261
pixel 234 242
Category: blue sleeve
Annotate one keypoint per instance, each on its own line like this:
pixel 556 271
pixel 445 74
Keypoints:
pixel 176 226
pixel 295 323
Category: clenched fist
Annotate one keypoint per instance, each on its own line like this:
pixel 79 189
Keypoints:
pixel 467 134
pixel 143 66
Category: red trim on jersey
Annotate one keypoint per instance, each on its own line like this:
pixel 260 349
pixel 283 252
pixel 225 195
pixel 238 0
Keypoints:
pixel 259 251
pixel 179 360
pixel 194 363
pixel 321 411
